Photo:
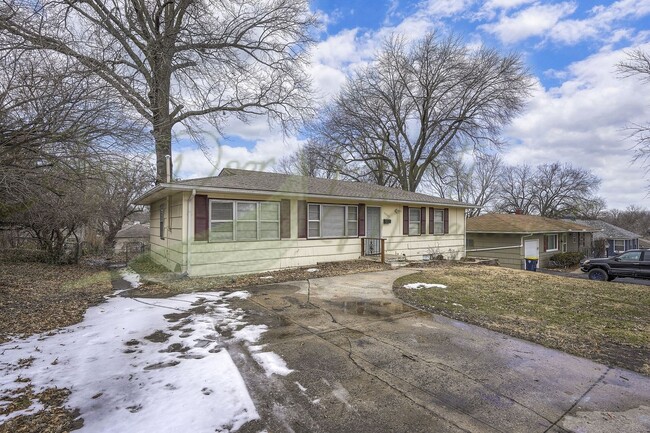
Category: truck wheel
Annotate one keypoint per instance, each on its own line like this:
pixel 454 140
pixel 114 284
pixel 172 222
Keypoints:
pixel 597 274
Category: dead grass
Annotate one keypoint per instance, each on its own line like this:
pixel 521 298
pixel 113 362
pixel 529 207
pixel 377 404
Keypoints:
pixel 607 322
pixel 158 285
pixel 37 297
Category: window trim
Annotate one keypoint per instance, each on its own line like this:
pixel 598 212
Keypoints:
pixel 346 220
pixel 419 221
pixel 258 220
pixel 557 241
pixel 614 246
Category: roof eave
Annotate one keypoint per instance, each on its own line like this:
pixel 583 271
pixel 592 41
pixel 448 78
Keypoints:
pixel 153 195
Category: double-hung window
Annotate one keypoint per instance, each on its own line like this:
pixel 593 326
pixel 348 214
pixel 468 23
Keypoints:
pixel 438 221
pixel 551 243
pixel 244 220
pixel 414 221
pixel 332 221
pixel 619 245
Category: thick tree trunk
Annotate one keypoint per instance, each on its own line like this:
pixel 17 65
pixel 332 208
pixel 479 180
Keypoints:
pixel 162 121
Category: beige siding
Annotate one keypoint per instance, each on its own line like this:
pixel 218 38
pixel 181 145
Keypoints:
pixel 170 251
pixel 224 258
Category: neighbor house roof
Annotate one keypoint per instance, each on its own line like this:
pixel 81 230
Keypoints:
pixel 607 230
pixel 259 182
pixel 515 223
pixel 134 231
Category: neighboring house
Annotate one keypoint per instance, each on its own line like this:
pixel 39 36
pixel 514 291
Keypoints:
pixel 248 221
pixel 610 239
pixel 511 238
pixel 134 236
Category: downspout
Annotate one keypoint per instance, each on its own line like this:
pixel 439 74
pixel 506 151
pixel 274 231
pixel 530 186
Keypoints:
pixel 189 236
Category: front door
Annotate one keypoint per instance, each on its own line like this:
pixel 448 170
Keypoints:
pixel 373 230
pixel 531 249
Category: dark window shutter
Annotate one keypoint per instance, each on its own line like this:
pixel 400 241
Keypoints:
pixel 545 243
pixel 362 220
pixel 446 220
pixel 285 219
pixel 302 219
pixel 423 221
pixel 431 225
pixel 405 213
pixel 201 217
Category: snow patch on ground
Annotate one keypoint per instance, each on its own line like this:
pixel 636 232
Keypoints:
pixel 131 277
pixel 126 376
pixel 239 295
pixel 271 363
pixel 313 270
pixel 417 286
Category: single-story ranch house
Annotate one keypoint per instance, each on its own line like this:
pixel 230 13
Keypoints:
pixel 511 238
pixel 613 239
pixel 248 221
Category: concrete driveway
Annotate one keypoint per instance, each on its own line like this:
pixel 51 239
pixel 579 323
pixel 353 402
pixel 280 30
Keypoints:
pixel 365 362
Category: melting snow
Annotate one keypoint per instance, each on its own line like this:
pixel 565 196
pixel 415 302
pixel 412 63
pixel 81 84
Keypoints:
pixel 271 363
pixel 131 277
pixel 123 378
pixel 424 286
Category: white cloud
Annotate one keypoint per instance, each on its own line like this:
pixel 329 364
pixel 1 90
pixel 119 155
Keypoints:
pixel 446 8
pixel 583 122
pixel 191 161
pixel 552 22
pixel 535 20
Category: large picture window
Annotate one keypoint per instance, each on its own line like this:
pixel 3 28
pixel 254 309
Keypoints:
pixel 244 220
pixel 332 221
pixel 414 221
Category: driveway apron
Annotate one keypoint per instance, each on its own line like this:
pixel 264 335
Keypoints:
pixel 365 362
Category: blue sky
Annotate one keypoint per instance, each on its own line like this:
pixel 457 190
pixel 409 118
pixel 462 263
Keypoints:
pixel 577 114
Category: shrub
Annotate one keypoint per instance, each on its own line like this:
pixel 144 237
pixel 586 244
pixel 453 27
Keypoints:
pixel 565 260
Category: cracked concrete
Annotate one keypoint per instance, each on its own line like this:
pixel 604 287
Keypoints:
pixel 365 362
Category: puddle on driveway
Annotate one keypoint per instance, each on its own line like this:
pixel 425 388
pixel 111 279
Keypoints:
pixel 370 308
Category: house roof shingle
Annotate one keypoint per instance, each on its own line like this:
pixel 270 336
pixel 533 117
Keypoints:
pixel 514 223
pixel 134 231
pixel 258 181
pixel 608 231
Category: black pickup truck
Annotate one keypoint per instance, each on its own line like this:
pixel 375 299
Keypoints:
pixel 631 263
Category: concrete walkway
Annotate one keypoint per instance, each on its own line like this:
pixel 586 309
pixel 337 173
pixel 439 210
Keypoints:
pixel 365 362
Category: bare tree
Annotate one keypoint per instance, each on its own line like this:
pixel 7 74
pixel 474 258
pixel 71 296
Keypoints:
pixel 516 189
pixel 60 127
pixel 550 190
pixel 638 64
pixel 397 115
pixel 177 61
pixel 119 182
pixel 309 160
pixel 474 182
pixel 634 218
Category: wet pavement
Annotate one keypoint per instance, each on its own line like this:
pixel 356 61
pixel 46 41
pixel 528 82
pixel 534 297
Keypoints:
pixel 365 362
